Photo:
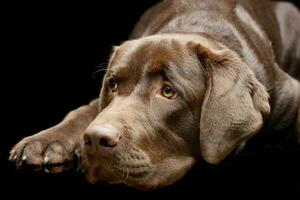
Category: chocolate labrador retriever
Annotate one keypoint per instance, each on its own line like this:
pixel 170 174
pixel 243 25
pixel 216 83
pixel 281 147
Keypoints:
pixel 197 78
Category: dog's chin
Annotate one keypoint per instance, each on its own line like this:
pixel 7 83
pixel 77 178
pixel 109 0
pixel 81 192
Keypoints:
pixel 137 177
pixel 142 177
pixel 130 172
pixel 143 180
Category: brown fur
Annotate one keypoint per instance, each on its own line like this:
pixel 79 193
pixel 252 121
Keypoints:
pixel 220 57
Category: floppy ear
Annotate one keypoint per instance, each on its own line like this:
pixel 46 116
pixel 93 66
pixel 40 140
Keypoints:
pixel 234 106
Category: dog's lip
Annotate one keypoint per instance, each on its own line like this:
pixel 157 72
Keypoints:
pixel 90 176
pixel 121 175
pixel 134 173
pixel 139 174
pixel 117 174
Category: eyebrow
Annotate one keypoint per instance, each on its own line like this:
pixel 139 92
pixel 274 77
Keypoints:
pixel 126 73
pixel 120 71
pixel 155 67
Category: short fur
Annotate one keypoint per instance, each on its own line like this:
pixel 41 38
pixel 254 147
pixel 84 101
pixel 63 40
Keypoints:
pixel 232 66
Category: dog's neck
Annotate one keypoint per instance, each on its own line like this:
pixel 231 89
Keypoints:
pixel 286 103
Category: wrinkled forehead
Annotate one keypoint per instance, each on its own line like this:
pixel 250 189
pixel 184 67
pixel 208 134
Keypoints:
pixel 153 52
pixel 148 54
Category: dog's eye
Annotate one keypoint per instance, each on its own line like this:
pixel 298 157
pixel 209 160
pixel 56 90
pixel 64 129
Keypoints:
pixel 167 91
pixel 112 82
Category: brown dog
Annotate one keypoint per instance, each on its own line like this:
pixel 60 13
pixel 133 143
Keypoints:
pixel 198 78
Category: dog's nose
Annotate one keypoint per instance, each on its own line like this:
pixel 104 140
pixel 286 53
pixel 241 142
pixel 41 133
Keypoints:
pixel 104 135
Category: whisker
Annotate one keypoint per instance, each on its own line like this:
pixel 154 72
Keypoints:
pixel 101 66
pixel 100 70
pixel 126 175
pixel 97 72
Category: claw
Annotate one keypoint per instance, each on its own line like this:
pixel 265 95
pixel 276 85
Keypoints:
pixel 46 160
pixel 46 170
pixel 19 164
pixel 12 152
pixel 24 158
pixel 11 157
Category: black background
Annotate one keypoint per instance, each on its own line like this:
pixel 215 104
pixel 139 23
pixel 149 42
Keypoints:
pixel 49 53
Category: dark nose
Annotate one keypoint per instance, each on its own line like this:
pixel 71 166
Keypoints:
pixel 104 135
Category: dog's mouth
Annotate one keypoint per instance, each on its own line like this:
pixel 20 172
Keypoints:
pixel 121 174
pixel 134 168
pixel 131 174
pixel 118 168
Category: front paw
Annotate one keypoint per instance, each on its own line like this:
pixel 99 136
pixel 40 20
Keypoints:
pixel 47 150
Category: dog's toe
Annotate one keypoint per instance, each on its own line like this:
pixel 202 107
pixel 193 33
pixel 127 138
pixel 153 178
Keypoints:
pixel 29 152
pixel 42 153
pixel 12 156
pixel 57 158
pixel 56 154
pixel 25 152
pixel 31 155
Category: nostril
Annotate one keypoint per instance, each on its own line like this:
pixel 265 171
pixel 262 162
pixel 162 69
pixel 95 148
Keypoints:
pixel 87 140
pixel 106 143
pixel 102 135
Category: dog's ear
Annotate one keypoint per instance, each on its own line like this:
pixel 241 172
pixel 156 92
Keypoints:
pixel 234 106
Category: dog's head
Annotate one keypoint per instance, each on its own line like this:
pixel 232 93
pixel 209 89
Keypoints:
pixel 165 101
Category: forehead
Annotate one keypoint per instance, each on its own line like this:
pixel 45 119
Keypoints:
pixel 149 54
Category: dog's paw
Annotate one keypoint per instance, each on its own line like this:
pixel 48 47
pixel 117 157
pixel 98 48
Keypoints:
pixel 46 151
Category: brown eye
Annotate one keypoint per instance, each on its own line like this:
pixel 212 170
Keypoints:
pixel 168 92
pixel 112 82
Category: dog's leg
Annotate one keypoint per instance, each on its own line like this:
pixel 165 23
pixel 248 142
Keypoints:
pixel 54 149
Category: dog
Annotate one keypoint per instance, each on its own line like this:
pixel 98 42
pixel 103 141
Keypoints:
pixel 196 79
